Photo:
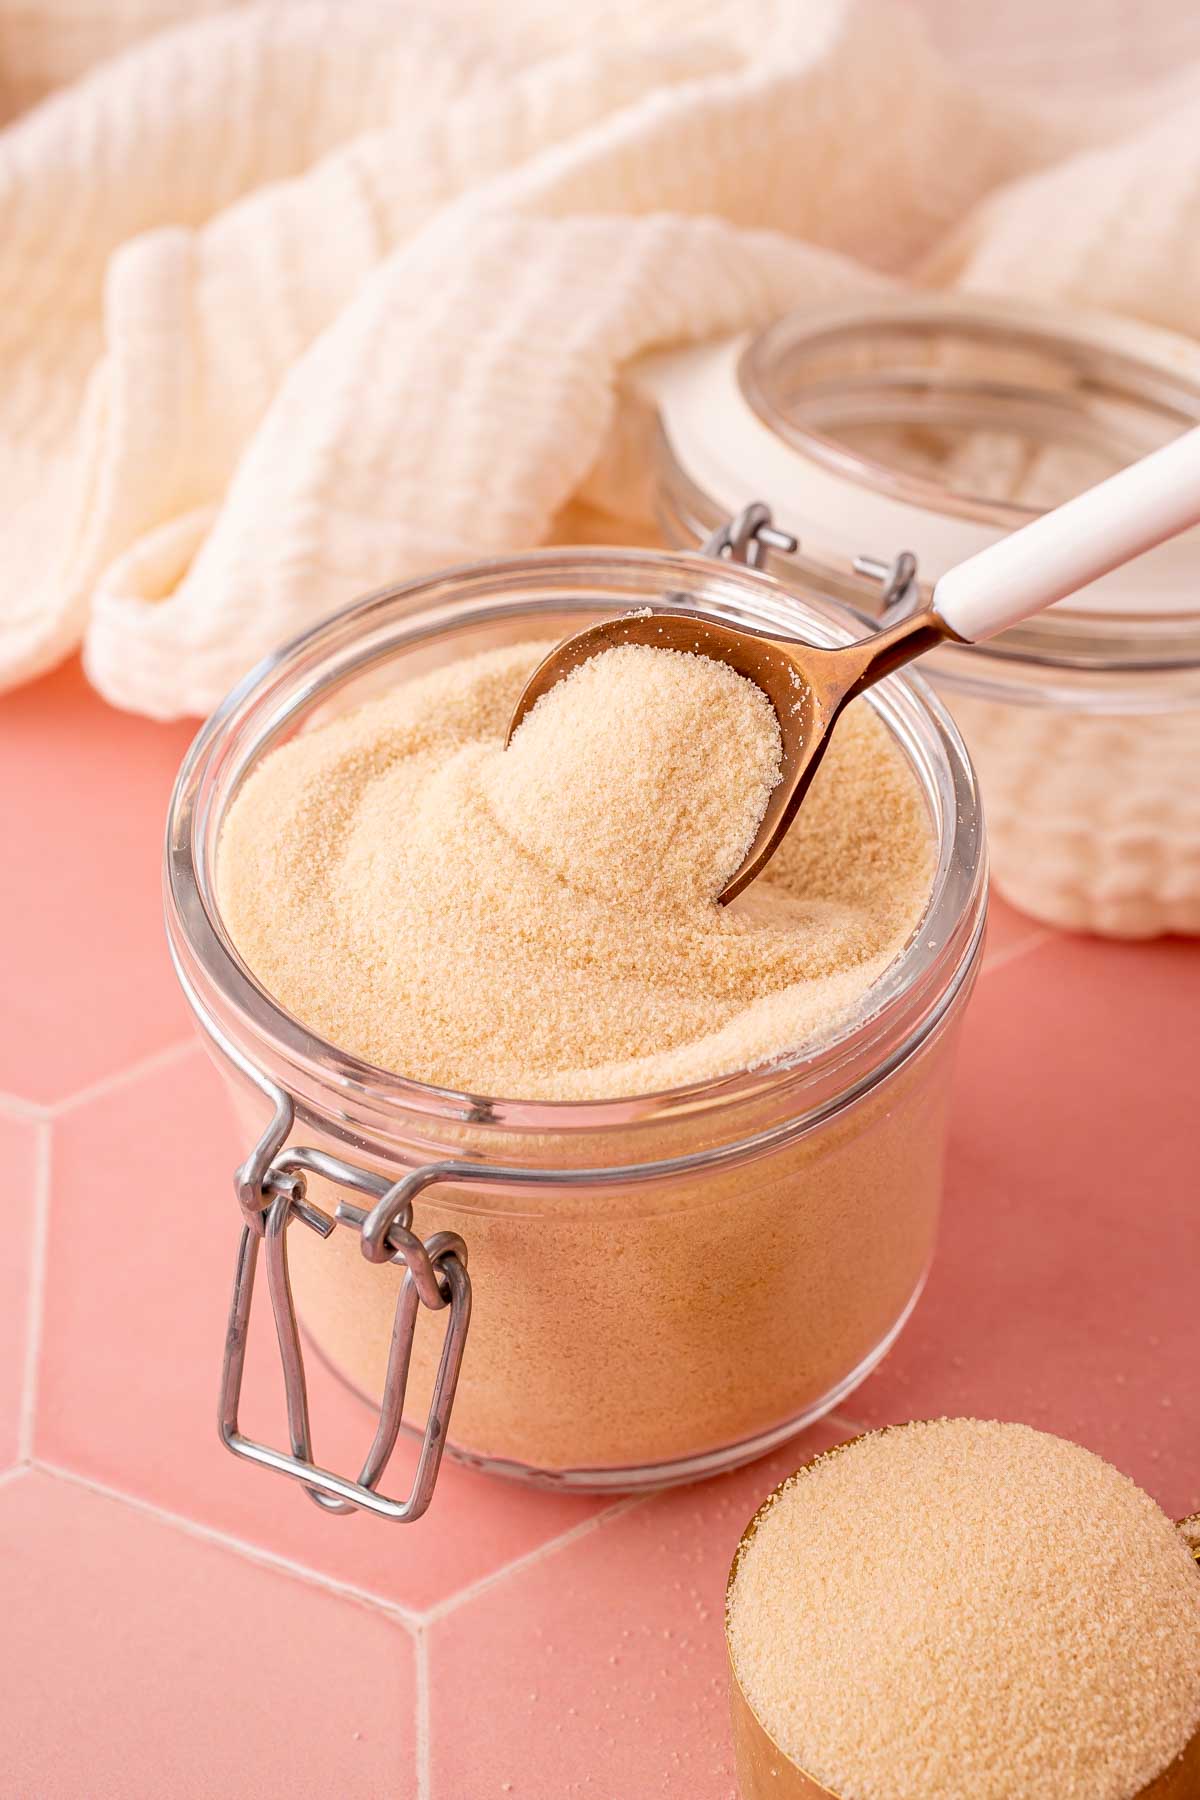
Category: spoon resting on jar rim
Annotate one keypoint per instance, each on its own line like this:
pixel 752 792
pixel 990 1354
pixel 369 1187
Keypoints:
pixel 1058 553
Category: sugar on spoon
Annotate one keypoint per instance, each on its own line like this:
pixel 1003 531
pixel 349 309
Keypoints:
pixel 1060 552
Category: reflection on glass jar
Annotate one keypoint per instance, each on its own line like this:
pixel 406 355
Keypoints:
pixel 666 1284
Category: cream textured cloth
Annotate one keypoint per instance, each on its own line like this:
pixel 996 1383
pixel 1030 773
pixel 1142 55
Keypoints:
pixel 300 299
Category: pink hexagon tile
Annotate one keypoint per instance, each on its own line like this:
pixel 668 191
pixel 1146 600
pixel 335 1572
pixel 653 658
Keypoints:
pixel 141 1661
pixel 143 1231
pixel 1064 1289
pixel 600 1668
pixel 85 797
pixel 21 1149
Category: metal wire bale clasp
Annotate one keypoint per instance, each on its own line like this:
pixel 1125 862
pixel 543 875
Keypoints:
pixel 271 1187
pixel 747 536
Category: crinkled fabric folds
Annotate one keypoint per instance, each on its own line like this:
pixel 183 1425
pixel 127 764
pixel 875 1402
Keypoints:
pixel 297 300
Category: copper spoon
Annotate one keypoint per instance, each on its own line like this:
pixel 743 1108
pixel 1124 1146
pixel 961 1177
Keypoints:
pixel 1054 556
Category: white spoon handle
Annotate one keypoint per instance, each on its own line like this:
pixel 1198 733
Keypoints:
pixel 1062 551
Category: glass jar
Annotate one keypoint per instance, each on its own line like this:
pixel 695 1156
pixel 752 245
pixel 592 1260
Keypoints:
pixel 659 1286
pixel 891 431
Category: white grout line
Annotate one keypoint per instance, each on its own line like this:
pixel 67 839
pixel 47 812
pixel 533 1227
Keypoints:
pixel 255 1553
pixel 16 1108
pixel 452 1602
pixel 36 1294
pixel 14 1474
pixel 111 1084
pixel 423 1740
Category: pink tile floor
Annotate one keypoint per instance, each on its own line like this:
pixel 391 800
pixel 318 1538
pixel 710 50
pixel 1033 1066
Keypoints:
pixel 175 1624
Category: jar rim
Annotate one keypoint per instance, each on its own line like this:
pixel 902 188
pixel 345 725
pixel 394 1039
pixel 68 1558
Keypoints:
pixel 352 1097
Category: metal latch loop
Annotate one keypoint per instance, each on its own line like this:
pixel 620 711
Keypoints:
pixel 271 1193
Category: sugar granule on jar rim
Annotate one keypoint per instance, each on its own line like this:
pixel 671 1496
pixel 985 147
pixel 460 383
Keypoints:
pixel 963 1610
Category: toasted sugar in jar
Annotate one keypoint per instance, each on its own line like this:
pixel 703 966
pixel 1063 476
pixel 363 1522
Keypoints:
pixel 662 1283
pixel 541 920
pixel 965 1611
pixel 933 425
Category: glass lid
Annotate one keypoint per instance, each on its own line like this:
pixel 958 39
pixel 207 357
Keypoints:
pixel 935 424
pixel 961 412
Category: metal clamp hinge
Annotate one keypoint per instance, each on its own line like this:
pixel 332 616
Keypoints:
pixel 747 536
pixel 271 1187
pixel 897 579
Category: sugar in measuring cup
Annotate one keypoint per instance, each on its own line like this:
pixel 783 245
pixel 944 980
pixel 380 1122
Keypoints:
pixel 955 1609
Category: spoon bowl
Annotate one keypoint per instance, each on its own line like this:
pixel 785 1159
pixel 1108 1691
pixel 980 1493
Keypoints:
pixel 807 686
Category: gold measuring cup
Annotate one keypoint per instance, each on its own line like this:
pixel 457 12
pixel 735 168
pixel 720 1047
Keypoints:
pixel 765 1772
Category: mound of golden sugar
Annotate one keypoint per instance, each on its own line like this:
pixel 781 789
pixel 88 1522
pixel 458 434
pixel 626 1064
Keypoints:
pixel 969 1611
pixel 540 922
pixel 639 780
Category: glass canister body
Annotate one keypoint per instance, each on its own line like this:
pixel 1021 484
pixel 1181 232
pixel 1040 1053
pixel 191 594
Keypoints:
pixel 665 1326
pixel 933 424
pixel 668 1284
